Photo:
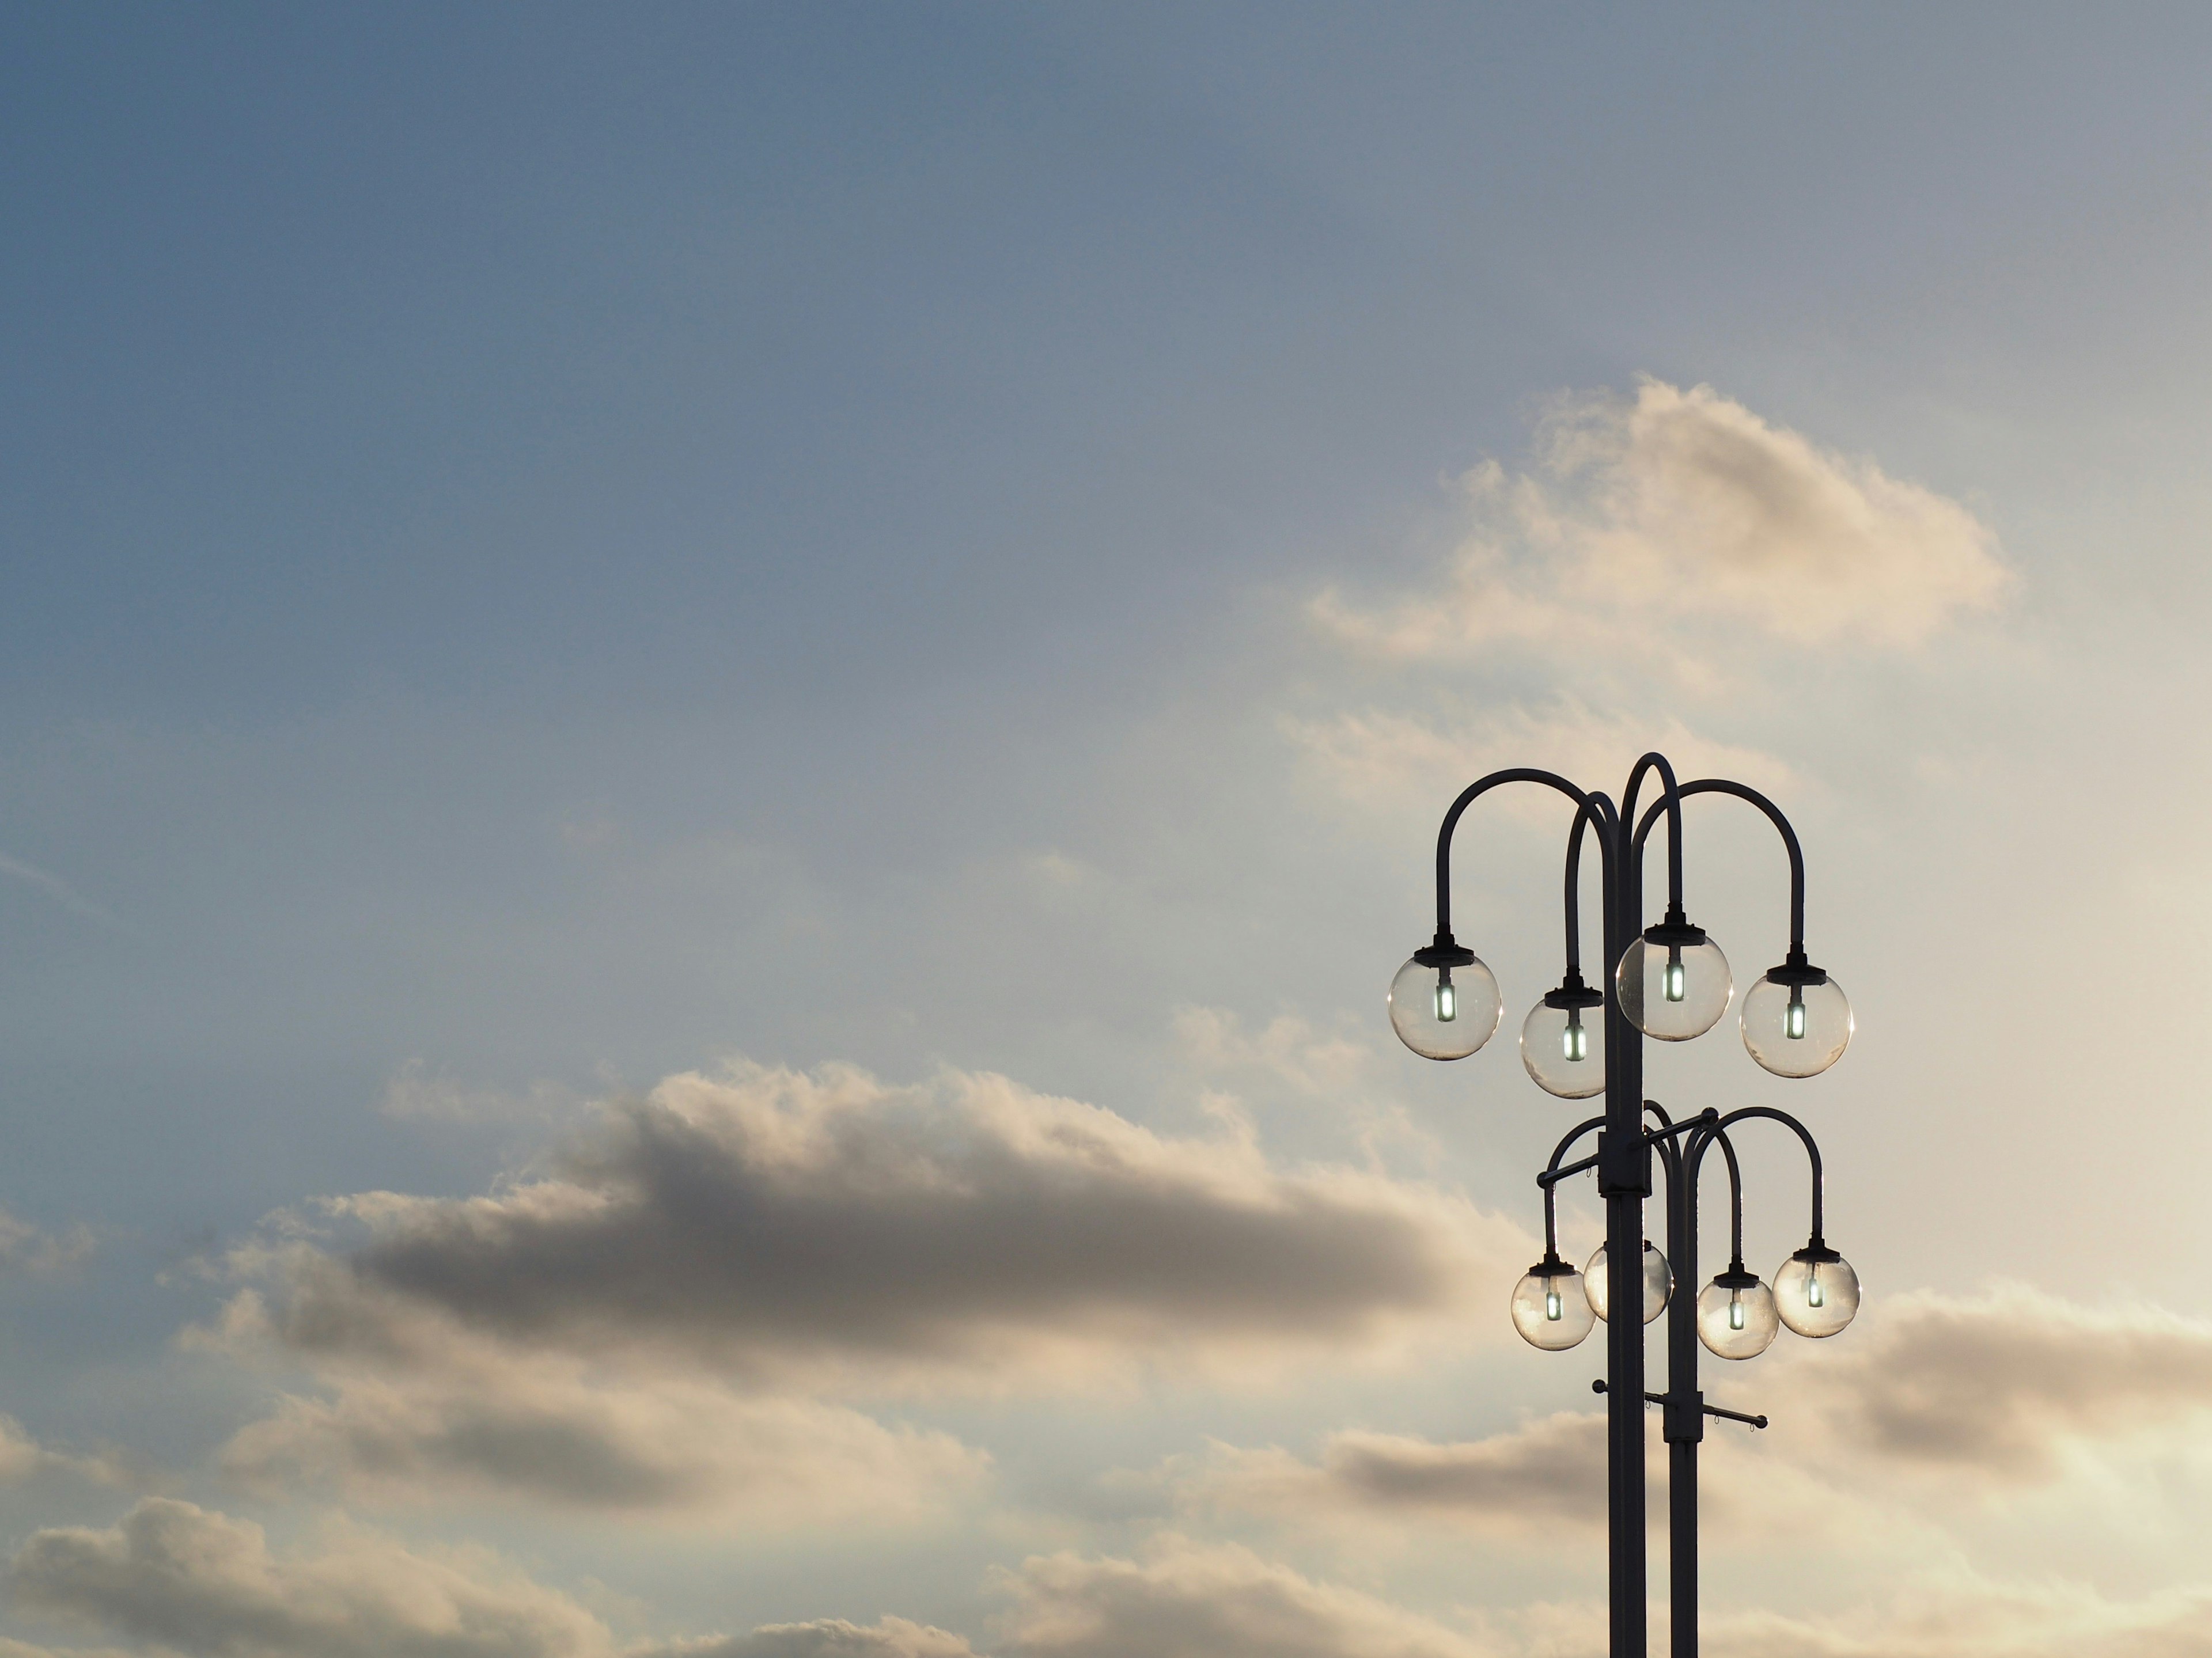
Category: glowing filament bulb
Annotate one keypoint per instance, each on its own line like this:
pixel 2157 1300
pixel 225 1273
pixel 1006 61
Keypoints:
pixel 1736 1312
pixel 1815 1294
pixel 1793 1022
pixel 1574 1041
pixel 1551 1309
pixel 1447 998
pixel 1673 979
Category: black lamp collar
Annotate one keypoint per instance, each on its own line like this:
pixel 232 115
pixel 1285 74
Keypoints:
pixel 1573 993
pixel 1796 970
pixel 1675 930
pixel 1444 952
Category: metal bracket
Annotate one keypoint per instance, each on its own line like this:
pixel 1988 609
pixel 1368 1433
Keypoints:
pixel 1694 1409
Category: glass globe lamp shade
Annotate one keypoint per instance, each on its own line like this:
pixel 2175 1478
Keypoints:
pixel 1793 1028
pixel 1444 1012
pixel 1549 1307
pixel 1658 1282
pixel 1736 1316
pixel 1673 988
pixel 1816 1292
pixel 1562 1041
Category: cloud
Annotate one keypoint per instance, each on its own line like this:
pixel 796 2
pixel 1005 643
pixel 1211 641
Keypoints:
pixel 22 1458
pixel 60 890
pixel 1546 1471
pixel 1999 1383
pixel 489 1422
pixel 192 1581
pixel 769 1223
pixel 1395 761
pixel 1675 507
pixel 1184 1599
pixel 25 1247
pixel 653 1322
pixel 415 1094
pixel 828 1638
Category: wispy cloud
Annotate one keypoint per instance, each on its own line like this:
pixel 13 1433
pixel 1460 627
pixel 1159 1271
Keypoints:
pixel 60 890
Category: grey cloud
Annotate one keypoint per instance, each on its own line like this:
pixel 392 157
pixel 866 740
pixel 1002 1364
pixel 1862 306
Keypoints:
pixel 829 1638
pixel 769 1220
pixel 195 1581
pixel 1187 1601
pixel 635 1327
pixel 1994 1383
pixel 25 1247
pixel 497 1424
pixel 1549 1470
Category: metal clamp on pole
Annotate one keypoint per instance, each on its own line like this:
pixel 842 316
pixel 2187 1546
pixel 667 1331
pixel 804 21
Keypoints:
pixel 1624 1165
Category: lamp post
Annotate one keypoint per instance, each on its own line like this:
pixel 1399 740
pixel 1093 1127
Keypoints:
pixel 1668 981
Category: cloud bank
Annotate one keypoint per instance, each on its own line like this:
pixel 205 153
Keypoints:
pixel 663 1317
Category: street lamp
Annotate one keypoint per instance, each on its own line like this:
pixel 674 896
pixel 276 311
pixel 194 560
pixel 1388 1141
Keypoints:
pixel 1671 982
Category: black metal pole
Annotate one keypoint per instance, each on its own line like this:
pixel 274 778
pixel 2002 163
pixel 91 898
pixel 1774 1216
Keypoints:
pixel 1684 1423
pixel 1624 1181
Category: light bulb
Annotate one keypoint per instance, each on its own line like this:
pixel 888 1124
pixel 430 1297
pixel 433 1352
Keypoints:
pixel 1816 1292
pixel 1674 980
pixel 1574 1041
pixel 1796 1020
pixel 1552 1305
pixel 1736 1315
pixel 1443 1009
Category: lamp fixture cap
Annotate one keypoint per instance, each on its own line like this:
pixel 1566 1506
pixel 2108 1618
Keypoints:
pixel 1796 970
pixel 1676 929
pixel 1444 952
pixel 1573 993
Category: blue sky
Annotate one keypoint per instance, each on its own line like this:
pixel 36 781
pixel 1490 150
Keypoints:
pixel 881 556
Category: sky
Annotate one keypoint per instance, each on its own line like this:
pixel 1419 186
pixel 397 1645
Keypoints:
pixel 718 724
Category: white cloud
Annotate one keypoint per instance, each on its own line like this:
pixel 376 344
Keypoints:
pixel 1396 761
pixel 1677 508
pixel 828 1638
pixel 1184 1599
pixel 539 1428
pixel 189 1580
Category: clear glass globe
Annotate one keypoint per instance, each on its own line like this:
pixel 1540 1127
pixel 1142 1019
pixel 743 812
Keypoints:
pixel 1673 992
pixel 1816 1292
pixel 1658 1282
pixel 1736 1318
pixel 1797 1031
pixel 1549 1307
pixel 1563 1049
pixel 1444 1012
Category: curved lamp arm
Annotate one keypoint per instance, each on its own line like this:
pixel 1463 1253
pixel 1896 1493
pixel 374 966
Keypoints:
pixel 1811 1153
pixel 1722 786
pixel 1736 1195
pixel 1549 1179
pixel 1573 905
pixel 1596 807
pixel 1672 801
